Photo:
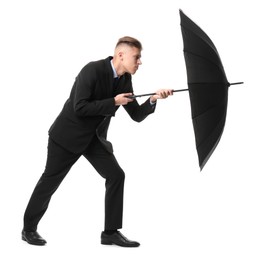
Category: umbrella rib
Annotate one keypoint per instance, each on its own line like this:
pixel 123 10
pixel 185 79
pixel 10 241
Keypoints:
pixel 210 108
pixel 214 129
pixel 212 46
pixel 194 54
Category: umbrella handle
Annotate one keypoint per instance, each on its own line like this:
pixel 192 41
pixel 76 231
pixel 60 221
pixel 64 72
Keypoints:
pixel 143 95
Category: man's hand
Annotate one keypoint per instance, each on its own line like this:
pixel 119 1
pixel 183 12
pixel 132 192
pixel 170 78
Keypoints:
pixel 161 94
pixel 122 99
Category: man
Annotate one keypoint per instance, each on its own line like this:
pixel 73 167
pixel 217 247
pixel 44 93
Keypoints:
pixel 81 129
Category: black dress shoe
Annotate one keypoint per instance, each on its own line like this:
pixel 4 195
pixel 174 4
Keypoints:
pixel 117 239
pixel 33 238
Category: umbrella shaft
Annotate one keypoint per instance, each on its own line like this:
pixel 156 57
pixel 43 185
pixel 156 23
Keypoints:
pixel 151 94
pixel 179 90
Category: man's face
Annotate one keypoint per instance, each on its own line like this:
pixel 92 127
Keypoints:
pixel 131 59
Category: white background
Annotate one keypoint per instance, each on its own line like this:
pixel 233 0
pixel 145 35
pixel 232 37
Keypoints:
pixel 174 210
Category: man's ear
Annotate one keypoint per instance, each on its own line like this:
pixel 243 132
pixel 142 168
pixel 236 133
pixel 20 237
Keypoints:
pixel 120 55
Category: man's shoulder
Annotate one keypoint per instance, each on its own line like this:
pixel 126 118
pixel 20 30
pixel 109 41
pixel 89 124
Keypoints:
pixel 100 63
pixel 97 65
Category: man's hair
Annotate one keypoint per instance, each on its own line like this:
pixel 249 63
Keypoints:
pixel 132 42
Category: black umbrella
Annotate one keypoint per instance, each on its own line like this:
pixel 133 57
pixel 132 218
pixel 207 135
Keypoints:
pixel 208 88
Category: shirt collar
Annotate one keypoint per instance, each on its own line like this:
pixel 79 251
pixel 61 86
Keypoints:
pixel 115 75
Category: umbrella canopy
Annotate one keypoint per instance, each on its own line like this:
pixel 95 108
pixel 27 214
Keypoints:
pixel 208 88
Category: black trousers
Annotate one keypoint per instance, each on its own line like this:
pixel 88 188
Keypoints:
pixel 59 162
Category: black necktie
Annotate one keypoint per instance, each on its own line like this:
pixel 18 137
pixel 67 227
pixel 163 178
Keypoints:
pixel 115 82
pixel 115 85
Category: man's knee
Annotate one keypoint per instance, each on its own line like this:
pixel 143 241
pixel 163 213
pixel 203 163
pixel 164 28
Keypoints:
pixel 118 175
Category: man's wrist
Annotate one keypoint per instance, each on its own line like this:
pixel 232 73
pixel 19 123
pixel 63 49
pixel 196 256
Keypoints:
pixel 153 100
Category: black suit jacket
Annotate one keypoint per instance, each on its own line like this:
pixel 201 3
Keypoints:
pixel 88 110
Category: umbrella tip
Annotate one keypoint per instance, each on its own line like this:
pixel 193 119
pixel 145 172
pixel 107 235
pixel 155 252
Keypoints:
pixel 236 83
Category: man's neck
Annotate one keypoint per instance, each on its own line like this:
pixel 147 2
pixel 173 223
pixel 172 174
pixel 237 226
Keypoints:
pixel 117 66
